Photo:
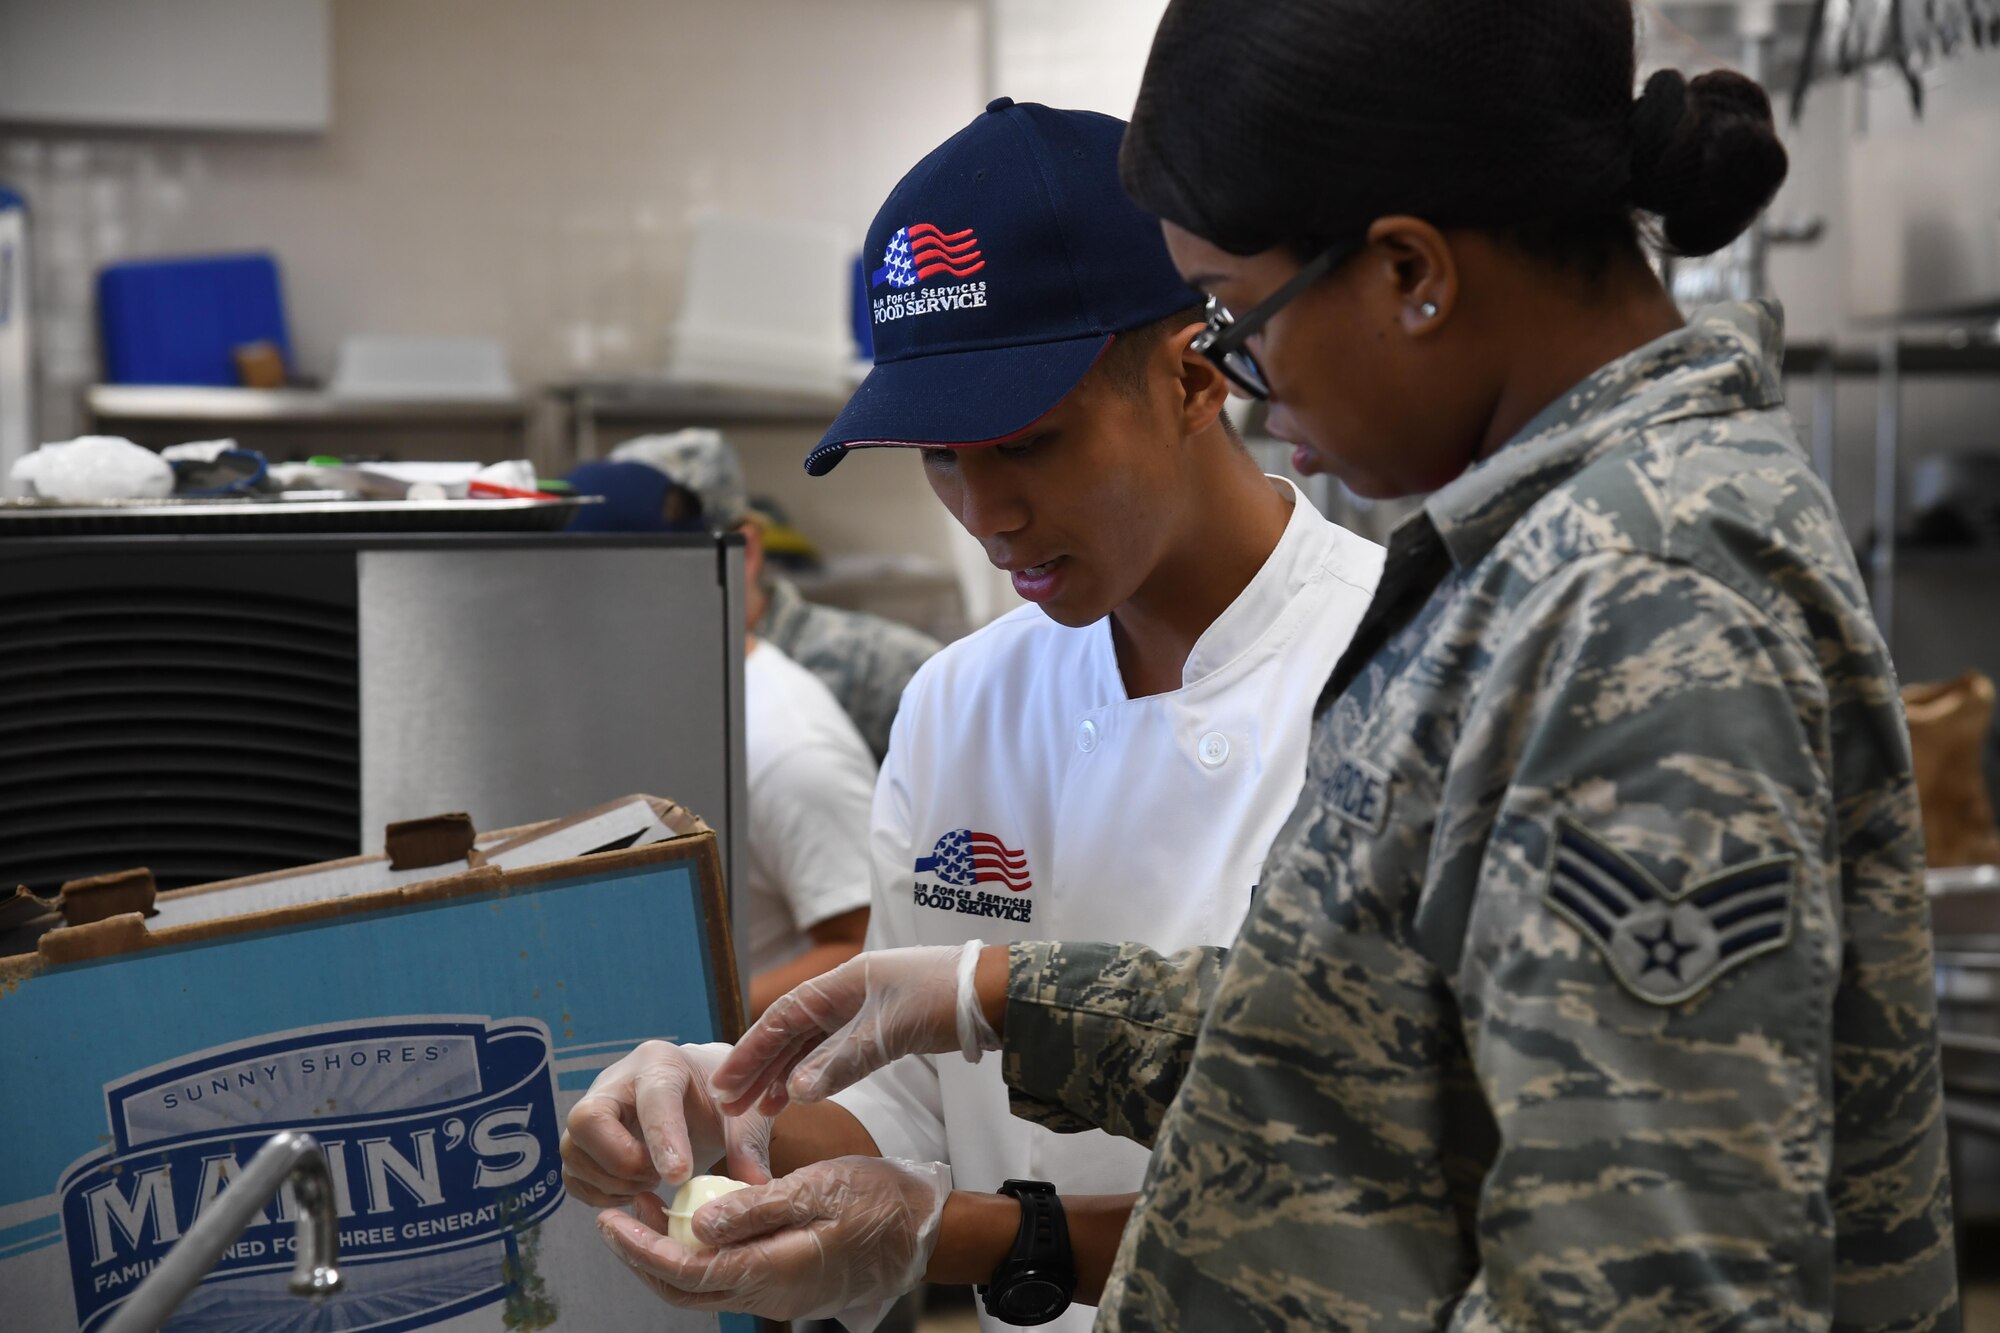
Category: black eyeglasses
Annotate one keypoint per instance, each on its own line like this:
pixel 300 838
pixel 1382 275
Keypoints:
pixel 1225 342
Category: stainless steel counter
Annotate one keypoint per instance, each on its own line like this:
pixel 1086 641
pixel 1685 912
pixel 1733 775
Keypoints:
pixel 298 423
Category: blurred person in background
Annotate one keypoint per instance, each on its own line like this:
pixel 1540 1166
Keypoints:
pixel 809 777
pixel 865 659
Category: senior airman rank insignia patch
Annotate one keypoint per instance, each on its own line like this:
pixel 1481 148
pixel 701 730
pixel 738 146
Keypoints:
pixel 1667 947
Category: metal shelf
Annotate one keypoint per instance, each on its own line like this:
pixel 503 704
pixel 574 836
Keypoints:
pixel 1888 361
pixel 1939 559
pixel 149 402
pixel 1967 1113
pixel 1913 357
pixel 1962 879
pixel 667 402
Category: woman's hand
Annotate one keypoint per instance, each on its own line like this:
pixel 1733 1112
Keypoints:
pixel 835 1030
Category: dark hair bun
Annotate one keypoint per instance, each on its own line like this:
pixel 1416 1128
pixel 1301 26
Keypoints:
pixel 1705 157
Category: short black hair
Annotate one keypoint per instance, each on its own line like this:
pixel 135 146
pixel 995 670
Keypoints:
pixel 1512 118
pixel 1124 362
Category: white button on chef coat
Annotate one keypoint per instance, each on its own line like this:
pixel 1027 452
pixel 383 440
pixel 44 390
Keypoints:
pixel 1025 797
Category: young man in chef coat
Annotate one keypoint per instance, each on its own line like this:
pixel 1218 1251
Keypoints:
pixel 1090 766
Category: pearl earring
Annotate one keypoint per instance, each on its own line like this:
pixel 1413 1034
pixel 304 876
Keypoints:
pixel 1428 310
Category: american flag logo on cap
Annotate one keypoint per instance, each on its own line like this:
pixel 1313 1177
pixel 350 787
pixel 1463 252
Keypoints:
pixel 923 250
pixel 965 858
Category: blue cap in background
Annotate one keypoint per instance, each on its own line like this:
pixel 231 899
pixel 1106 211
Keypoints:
pixel 635 499
pixel 998 271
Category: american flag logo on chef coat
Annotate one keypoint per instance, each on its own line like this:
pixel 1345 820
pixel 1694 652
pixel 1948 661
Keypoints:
pixel 965 858
pixel 923 250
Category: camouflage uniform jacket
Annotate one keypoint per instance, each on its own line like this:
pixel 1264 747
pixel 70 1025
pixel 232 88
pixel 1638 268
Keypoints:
pixel 865 660
pixel 1589 984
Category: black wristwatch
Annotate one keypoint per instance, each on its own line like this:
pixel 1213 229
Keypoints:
pixel 1036 1281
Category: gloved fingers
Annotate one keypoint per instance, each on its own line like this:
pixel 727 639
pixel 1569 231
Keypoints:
pixel 877 1007
pixel 911 1007
pixel 823 1239
pixel 784 1276
pixel 660 1093
pixel 762 1090
pixel 775 1099
pixel 597 1188
pixel 794 1024
pixel 601 1133
pixel 748 1214
pixel 652 1252
pixel 742 1269
pixel 852 1054
pixel 754 1074
pixel 749 1156
pixel 651 1212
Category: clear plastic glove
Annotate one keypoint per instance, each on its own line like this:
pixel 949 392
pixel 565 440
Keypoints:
pixel 827 1238
pixel 651 1120
pixel 835 1030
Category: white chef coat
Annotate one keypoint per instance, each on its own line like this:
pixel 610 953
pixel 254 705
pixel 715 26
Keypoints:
pixel 810 779
pixel 1023 784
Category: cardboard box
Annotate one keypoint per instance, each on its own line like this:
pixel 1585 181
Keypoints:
pixel 431 1026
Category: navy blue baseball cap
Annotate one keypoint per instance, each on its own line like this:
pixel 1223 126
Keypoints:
pixel 634 498
pixel 1008 261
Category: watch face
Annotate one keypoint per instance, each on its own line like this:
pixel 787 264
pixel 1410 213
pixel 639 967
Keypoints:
pixel 1032 1300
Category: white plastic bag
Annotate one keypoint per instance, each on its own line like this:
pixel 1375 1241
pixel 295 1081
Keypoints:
pixel 95 467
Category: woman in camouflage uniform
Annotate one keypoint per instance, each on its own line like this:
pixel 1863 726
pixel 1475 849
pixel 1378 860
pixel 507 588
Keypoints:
pixel 1589 984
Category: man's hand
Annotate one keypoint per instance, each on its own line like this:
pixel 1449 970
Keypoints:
pixel 824 1239
pixel 838 1028
pixel 650 1120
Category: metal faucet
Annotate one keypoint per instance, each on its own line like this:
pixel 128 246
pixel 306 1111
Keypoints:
pixel 289 1156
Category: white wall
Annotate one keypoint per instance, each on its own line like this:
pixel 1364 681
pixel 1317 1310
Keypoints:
pixel 1083 56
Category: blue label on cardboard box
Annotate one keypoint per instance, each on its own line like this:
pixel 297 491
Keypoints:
pixel 440 1133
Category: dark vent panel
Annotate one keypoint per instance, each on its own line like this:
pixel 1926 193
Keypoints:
pixel 198 715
